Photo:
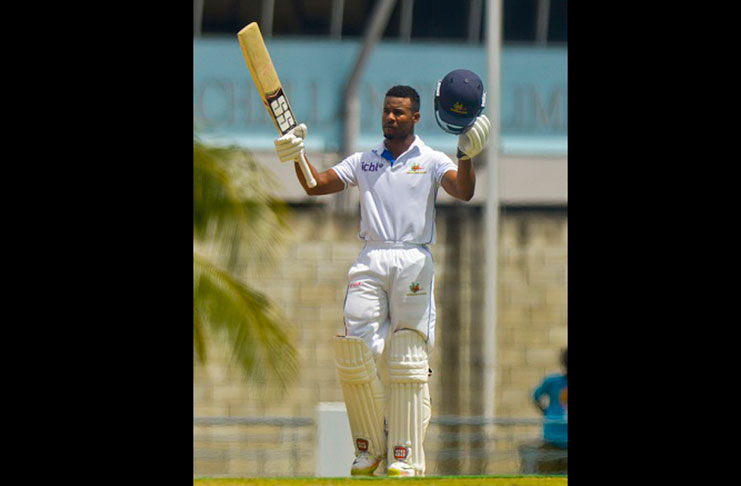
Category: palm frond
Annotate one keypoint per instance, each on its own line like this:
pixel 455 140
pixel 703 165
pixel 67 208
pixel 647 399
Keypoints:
pixel 248 320
pixel 232 204
pixel 199 335
pixel 240 225
pixel 216 199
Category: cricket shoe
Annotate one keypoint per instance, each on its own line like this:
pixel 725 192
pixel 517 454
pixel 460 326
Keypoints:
pixel 364 464
pixel 400 469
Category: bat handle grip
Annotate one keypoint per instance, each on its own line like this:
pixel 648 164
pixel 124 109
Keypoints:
pixel 303 163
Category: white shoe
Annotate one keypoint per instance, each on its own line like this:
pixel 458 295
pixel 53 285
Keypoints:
pixel 364 464
pixel 400 469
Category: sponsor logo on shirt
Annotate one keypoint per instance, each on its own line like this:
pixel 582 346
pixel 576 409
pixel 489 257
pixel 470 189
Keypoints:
pixel 371 166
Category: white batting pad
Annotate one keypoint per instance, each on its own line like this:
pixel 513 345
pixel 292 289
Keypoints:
pixel 409 405
pixel 363 393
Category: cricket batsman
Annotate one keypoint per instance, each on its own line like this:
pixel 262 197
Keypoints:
pixel 389 310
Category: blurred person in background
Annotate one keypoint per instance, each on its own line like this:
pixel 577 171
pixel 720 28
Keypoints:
pixel 551 398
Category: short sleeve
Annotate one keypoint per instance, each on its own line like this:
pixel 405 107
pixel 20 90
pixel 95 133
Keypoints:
pixel 540 390
pixel 346 170
pixel 442 165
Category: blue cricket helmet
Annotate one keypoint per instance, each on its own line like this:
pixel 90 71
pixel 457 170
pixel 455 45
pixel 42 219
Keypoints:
pixel 459 100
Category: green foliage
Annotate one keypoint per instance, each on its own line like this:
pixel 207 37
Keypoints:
pixel 237 225
pixel 232 204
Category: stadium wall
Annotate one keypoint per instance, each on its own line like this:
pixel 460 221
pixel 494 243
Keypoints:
pixel 308 284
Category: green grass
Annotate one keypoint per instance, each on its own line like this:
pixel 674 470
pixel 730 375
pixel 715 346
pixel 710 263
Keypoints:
pixel 428 481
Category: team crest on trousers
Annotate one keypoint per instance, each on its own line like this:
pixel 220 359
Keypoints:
pixel 415 289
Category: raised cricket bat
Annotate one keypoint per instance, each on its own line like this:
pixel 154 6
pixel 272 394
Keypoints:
pixel 268 84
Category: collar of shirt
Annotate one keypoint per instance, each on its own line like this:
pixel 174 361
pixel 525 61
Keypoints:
pixel 383 152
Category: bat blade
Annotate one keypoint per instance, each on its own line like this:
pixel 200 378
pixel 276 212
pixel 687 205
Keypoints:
pixel 268 85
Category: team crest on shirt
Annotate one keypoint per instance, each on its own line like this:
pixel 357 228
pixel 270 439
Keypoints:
pixel 416 169
pixel 415 289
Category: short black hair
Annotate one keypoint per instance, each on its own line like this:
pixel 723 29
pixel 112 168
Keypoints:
pixel 402 91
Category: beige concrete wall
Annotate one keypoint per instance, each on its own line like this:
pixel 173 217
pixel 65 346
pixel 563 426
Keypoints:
pixel 308 283
pixel 533 311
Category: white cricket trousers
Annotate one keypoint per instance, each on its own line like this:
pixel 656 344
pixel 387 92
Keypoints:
pixel 391 287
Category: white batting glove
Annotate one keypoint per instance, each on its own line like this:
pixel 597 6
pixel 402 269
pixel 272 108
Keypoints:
pixel 473 140
pixel 291 145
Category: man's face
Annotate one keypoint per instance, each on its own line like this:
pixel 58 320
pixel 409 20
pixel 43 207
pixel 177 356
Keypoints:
pixel 398 119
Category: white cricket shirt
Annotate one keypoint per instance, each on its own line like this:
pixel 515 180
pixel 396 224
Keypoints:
pixel 397 197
